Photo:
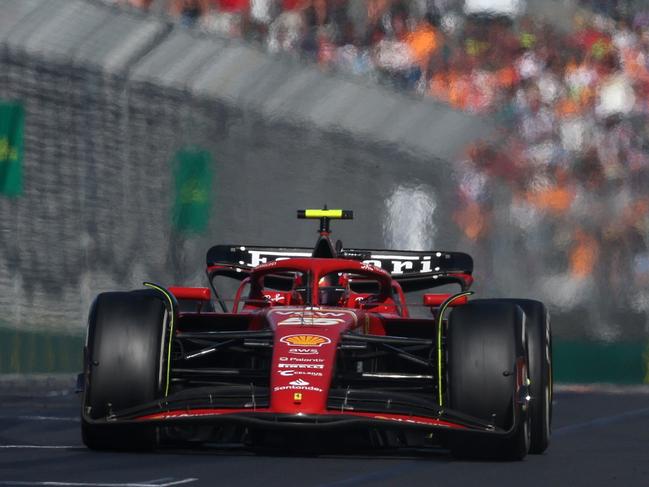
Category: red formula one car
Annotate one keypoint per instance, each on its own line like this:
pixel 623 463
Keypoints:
pixel 319 345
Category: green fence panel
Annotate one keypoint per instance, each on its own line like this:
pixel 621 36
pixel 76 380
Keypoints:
pixel 192 170
pixel 595 362
pixel 12 120
pixel 24 352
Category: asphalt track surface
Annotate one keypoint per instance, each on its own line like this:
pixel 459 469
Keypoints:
pixel 601 438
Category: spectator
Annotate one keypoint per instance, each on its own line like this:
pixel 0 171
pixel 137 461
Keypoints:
pixel 226 17
pixel 262 13
pixel 424 41
pixel 188 12
pixel 285 32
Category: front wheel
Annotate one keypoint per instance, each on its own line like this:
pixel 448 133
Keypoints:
pixel 125 366
pixel 486 350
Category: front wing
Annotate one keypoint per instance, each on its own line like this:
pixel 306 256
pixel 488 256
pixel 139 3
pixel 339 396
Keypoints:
pixel 172 413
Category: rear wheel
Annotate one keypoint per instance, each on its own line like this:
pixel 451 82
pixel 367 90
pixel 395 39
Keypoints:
pixel 125 366
pixel 485 347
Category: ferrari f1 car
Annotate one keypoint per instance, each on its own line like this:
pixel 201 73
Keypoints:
pixel 316 342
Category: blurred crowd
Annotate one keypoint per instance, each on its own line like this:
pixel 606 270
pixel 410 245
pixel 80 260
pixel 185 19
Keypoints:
pixel 389 40
pixel 569 171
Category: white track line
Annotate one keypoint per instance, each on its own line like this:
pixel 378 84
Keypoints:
pixel 42 447
pixel 98 484
pixel 49 418
pixel 42 418
pixel 605 421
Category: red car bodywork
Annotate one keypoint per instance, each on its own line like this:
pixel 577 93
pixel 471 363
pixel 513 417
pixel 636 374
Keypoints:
pixel 306 338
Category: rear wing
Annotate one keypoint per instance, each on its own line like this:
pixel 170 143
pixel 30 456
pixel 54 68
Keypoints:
pixel 413 270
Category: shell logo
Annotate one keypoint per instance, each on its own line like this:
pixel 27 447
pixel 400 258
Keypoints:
pixel 305 340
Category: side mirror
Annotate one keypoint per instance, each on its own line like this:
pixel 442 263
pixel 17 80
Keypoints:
pixel 192 299
pixel 193 293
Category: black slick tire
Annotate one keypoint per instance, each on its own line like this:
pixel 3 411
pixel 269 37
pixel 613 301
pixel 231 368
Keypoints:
pixel 539 345
pixel 125 366
pixel 484 342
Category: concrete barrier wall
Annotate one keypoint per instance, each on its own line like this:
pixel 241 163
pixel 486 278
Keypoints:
pixel 111 96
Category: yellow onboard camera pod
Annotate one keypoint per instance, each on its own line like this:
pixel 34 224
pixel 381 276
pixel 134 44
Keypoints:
pixel 331 214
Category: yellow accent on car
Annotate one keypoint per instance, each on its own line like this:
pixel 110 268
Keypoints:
pixel 323 213
pixel 171 329
pixel 440 321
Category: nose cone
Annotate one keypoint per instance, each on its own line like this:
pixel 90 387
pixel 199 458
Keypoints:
pixel 304 356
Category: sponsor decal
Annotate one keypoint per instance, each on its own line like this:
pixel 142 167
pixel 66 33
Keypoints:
pixel 299 382
pixel 306 359
pixel 267 265
pixel 291 373
pixel 298 388
pixel 311 317
pixel 261 257
pixel 310 313
pixel 283 359
pixel 395 264
pixel 303 351
pixel 275 297
pixel 368 265
pixel 300 366
pixel 317 321
pixel 305 340
pixel 411 421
